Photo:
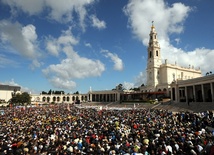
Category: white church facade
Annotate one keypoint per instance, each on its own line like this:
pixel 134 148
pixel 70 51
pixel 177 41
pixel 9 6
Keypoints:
pixel 161 75
pixel 181 84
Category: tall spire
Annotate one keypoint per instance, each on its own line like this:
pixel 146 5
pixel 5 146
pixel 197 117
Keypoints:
pixel 154 58
pixel 153 27
pixel 153 41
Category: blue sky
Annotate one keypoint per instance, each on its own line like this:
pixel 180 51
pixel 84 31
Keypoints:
pixel 74 45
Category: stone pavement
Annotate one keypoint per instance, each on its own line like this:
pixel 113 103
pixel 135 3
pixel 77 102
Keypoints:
pixel 175 107
pixel 192 107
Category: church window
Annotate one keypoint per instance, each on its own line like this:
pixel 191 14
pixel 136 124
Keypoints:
pixel 151 37
pixel 156 53
pixel 150 54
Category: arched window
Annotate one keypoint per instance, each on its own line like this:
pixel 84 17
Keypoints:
pixel 48 99
pixel 156 53
pixel 150 54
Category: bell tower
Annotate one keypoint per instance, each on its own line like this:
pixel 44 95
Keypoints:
pixel 154 60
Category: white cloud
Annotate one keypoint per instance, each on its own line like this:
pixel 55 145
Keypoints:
pixel 198 58
pixel 11 83
pixel 31 7
pixel 98 23
pixel 67 38
pixel 167 20
pixel 73 67
pixel 22 39
pixel 61 11
pixel 54 46
pixel 88 45
pixel 177 40
pixel 23 88
pixel 128 85
pixel 118 63
pixel 63 84
pixel 140 79
pixel 4 61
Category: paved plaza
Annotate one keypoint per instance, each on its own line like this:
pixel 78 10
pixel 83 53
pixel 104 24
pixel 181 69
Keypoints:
pixel 171 106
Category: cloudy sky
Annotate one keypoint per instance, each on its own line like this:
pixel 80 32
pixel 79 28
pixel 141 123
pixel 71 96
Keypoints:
pixel 73 45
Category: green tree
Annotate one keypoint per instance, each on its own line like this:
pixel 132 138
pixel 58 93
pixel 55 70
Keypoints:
pixel 21 99
pixel 59 92
pixel 77 92
pixel 120 87
pixel 50 91
pixel 44 92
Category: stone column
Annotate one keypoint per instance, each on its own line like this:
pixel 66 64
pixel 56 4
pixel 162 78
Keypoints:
pixel 90 97
pixel 202 90
pixel 177 95
pixel 212 93
pixel 186 95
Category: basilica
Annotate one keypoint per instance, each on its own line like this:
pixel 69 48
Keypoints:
pixel 179 84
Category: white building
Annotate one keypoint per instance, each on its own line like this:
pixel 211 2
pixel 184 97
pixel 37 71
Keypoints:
pixel 161 75
pixel 7 91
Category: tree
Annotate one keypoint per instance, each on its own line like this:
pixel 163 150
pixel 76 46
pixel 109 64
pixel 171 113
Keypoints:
pixel 120 87
pixel 49 91
pixel 43 92
pixel 59 92
pixel 21 99
pixel 77 92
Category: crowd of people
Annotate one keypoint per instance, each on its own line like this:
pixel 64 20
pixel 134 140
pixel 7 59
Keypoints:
pixel 70 130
